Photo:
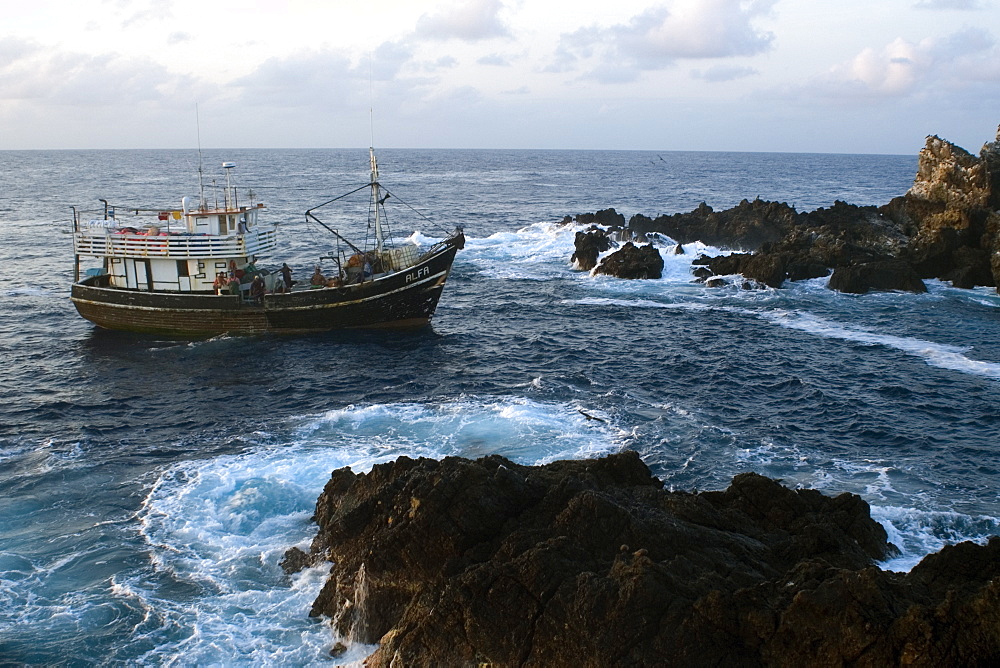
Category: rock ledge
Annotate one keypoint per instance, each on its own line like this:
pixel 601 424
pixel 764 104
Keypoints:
pixel 592 562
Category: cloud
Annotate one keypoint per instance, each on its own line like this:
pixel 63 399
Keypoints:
pixel 659 36
pixel 903 69
pixel 707 29
pixel 948 4
pixel 720 73
pixel 444 62
pixel 66 78
pixel 470 21
pixel 307 78
pixel 495 59
pixel 154 11
pixel 330 81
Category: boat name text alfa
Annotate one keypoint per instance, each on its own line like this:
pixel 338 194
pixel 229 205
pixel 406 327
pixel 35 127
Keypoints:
pixel 418 274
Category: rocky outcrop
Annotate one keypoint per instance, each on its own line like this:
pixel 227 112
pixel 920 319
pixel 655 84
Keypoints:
pixel 747 226
pixel 605 217
pixel 592 562
pixel 952 177
pixel 631 261
pixel 951 205
pixel 947 226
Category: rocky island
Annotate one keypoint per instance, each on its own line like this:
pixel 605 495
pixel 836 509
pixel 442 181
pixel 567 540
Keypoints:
pixel 592 562
pixel 947 226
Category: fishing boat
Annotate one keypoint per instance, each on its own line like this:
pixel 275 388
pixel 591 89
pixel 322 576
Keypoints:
pixel 199 270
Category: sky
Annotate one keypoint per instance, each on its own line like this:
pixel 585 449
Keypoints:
pixel 837 76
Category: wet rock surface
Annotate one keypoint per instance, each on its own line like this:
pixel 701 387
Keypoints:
pixel 592 562
pixel 589 245
pixel 631 261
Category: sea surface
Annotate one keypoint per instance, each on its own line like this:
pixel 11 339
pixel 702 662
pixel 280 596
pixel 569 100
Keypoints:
pixel 149 487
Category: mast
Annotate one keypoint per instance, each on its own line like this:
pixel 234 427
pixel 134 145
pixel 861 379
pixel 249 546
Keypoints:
pixel 377 200
pixel 374 164
pixel 201 181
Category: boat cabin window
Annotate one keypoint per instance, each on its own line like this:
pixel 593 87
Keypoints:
pixel 201 224
pixel 182 268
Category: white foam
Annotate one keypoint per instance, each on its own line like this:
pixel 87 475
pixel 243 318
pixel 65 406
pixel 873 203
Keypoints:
pixel 542 251
pixel 918 533
pixel 936 354
pixel 221 525
pixel 638 303
pixel 524 430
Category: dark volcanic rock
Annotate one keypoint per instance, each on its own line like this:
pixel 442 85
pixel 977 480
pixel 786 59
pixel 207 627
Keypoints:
pixel 631 261
pixel 589 245
pixel 605 217
pixel 295 560
pixel 880 276
pixel 459 562
pixel 971 268
pixel 746 226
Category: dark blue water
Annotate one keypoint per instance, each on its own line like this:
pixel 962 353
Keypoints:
pixel 148 487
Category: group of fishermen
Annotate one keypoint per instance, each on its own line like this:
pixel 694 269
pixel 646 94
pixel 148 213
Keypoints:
pixel 231 282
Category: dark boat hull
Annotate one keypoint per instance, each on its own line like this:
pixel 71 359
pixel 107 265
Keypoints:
pixel 405 299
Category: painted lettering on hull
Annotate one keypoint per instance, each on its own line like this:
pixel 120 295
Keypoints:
pixel 418 274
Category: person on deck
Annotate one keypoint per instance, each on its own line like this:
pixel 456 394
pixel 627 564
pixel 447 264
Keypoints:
pixel 318 279
pixel 286 276
pixel 221 283
pixel 257 289
pixel 233 271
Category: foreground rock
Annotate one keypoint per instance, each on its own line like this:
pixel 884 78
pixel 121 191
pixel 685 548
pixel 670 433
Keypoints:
pixel 459 562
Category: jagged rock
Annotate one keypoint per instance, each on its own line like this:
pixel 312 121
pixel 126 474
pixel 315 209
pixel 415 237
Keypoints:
pixel 605 217
pixel 950 175
pixel 744 227
pixel 592 562
pixel 840 235
pixel 990 154
pixel 766 269
pixel 631 261
pixel 701 273
pixel 950 208
pixel 887 275
pixel 589 245
pixel 295 560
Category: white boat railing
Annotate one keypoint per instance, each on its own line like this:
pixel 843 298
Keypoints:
pixel 101 243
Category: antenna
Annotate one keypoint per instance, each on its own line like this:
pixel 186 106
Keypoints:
pixel 201 180
pixel 373 162
pixel 371 101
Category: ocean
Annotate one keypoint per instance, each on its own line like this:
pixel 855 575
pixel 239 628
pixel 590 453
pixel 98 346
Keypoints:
pixel 149 486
